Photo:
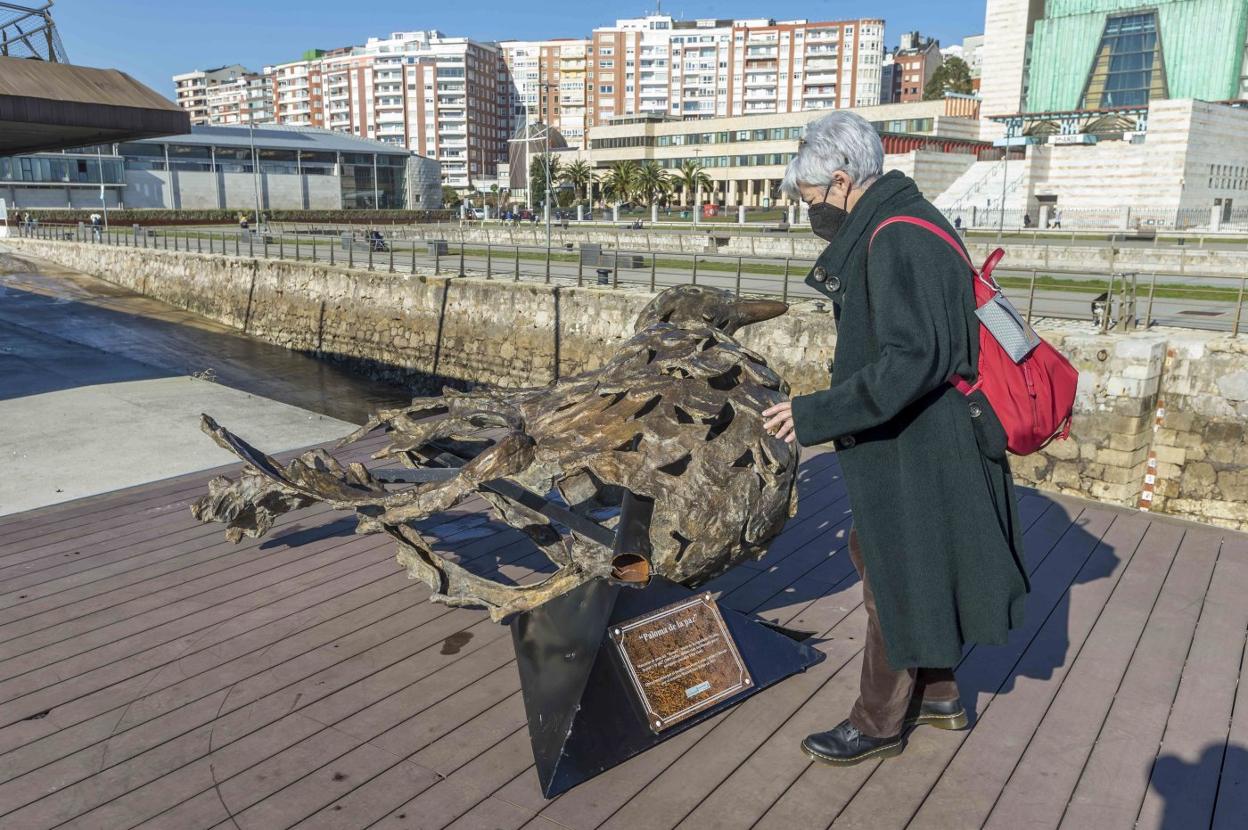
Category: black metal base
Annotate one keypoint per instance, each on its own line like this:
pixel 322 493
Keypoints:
pixel 583 714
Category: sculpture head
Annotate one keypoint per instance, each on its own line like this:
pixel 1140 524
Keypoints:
pixel 698 305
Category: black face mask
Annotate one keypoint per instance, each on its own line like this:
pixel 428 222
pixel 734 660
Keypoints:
pixel 826 220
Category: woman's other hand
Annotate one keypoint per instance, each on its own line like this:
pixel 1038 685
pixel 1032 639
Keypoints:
pixel 781 421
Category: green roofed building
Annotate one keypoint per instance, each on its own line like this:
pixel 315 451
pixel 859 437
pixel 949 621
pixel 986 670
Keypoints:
pixel 1110 54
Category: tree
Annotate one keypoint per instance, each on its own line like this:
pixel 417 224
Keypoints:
pixel 450 197
pixel 652 183
pixel 579 174
pixel 951 76
pixel 537 177
pixel 691 178
pixel 619 183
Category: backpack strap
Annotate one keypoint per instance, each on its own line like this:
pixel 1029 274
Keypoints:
pixel 984 274
pixel 957 381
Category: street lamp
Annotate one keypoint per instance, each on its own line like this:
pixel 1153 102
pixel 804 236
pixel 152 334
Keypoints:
pixel 255 167
pixel 697 184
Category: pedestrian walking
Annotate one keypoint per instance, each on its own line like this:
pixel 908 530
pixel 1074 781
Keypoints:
pixel 936 536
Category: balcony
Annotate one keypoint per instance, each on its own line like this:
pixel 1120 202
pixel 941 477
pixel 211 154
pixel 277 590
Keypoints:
pixel 760 80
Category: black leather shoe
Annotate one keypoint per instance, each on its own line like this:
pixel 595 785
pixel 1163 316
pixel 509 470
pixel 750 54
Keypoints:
pixel 845 745
pixel 942 714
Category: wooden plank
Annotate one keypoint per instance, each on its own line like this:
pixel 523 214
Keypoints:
pixel 821 615
pixel 298 659
pixel 902 786
pixel 135 741
pixel 1040 784
pixel 1115 777
pixel 980 767
pixel 159 774
pixel 1184 781
pixel 718 754
pixel 1232 798
pixel 81 721
pixel 108 684
pixel 808 796
pixel 254 586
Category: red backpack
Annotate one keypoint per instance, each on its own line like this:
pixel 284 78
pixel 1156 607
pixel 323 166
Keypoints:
pixel 1028 383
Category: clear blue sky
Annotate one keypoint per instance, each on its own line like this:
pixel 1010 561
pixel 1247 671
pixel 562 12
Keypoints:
pixel 154 39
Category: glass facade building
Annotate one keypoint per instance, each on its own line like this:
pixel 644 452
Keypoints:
pixel 1104 54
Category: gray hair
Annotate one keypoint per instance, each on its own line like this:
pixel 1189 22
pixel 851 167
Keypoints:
pixel 839 141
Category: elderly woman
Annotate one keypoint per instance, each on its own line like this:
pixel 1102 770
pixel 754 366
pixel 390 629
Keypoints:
pixel 936 537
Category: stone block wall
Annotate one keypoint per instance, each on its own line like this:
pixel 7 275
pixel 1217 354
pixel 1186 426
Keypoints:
pixel 1159 416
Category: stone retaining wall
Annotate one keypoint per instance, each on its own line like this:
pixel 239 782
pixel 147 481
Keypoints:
pixel 1159 416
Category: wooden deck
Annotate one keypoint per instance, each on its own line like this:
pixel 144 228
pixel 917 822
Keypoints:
pixel 153 675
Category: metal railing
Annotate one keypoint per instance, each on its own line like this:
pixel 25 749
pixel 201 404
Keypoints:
pixel 1108 299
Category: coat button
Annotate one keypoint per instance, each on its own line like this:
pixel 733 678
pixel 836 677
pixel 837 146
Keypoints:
pixel 975 410
pixel 834 283
pixel 820 274
pixel 847 442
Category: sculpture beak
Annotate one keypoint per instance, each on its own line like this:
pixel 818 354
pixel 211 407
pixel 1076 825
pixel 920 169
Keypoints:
pixel 755 311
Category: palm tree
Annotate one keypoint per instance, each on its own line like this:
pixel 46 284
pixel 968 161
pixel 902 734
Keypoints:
pixel 579 174
pixel 692 177
pixel 652 184
pixel 537 176
pixel 619 183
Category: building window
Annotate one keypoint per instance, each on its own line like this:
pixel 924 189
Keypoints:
pixel 1127 70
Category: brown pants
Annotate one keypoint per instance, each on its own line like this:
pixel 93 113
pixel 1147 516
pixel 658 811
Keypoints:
pixel 885 694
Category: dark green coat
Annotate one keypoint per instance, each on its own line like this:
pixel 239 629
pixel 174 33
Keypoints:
pixel 929 484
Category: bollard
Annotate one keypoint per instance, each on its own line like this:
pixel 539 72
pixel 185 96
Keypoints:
pixel 489 260
pixel 351 252
pixel 654 259
pixel 370 255
pixel 784 291
pixel 738 287
pixel 296 247
pixel 461 255
pixel 695 269
pixel 199 244
pixel 517 263
pixel 281 246
pixel 615 281
pixel 391 258
pixel 331 252
pixel 413 253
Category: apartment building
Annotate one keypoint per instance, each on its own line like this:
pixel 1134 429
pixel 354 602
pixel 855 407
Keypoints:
pixel 546 83
pixel 247 99
pixel 915 60
pixel 191 88
pixel 723 68
pixel 439 96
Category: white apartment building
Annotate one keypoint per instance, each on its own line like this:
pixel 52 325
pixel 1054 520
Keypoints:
pixel 441 97
pixel 245 100
pixel 723 68
pixel 191 88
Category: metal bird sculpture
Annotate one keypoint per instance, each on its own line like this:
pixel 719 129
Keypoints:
pixel 673 420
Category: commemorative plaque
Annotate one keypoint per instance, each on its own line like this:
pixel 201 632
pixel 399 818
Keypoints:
pixel 681 660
